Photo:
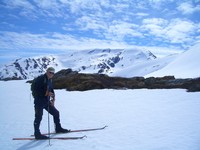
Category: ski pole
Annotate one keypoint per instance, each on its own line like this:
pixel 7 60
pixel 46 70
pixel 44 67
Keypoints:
pixel 49 123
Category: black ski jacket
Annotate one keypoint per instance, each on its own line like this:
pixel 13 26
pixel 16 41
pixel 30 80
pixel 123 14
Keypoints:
pixel 42 85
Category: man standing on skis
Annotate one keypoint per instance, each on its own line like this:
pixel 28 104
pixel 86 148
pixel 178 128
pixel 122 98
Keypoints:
pixel 44 98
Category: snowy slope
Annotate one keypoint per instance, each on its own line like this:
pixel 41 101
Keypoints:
pixel 144 68
pixel 186 65
pixel 136 119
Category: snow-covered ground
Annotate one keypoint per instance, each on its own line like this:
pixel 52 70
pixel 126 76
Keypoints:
pixel 137 119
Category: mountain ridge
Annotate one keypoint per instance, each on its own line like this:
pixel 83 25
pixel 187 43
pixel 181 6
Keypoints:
pixel 102 61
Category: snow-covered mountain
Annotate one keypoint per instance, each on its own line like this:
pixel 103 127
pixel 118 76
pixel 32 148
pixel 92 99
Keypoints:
pixel 106 61
pixel 24 68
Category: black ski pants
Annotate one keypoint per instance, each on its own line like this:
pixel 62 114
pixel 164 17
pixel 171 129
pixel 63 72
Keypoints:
pixel 39 113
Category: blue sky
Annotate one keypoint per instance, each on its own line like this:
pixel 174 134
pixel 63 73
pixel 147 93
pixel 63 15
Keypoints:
pixel 32 27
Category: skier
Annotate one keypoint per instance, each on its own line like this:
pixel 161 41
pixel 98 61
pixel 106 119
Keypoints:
pixel 44 98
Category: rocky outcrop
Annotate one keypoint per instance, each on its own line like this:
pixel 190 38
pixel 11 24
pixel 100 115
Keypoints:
pixel 74 81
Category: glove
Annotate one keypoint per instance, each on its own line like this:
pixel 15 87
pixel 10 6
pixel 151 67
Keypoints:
pixel 52 102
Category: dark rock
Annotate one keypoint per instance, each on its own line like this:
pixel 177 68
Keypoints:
pixel 74 81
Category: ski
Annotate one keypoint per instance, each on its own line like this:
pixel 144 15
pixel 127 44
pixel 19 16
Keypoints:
pixel 71 131
pixel 56 138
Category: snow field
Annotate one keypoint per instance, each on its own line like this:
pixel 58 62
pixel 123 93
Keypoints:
pixel 137 119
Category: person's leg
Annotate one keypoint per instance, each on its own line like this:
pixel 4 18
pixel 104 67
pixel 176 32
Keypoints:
pixel 56 117
pixel 38 118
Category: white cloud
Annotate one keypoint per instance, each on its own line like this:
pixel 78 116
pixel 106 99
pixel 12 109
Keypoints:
pixel 26 8
pixel 19 3
pixel 120 7
pixel 180 31
pixel 156 3
pixel 188 8
pixel 53 41
pixel 77 6
pixel 112 29
pixel 34 10
pixel 118 30
pixel 155 21
pixel 90 22
pixel 28 40
pixel 50 8
pixel 141 14
pixel 112 21
pixel 46 4
pixel 155 26
pixel 174 31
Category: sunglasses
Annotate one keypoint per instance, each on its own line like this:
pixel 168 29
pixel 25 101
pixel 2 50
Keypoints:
pixel 51 72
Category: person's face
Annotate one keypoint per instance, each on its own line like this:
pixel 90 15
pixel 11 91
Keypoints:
pixel 50 74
